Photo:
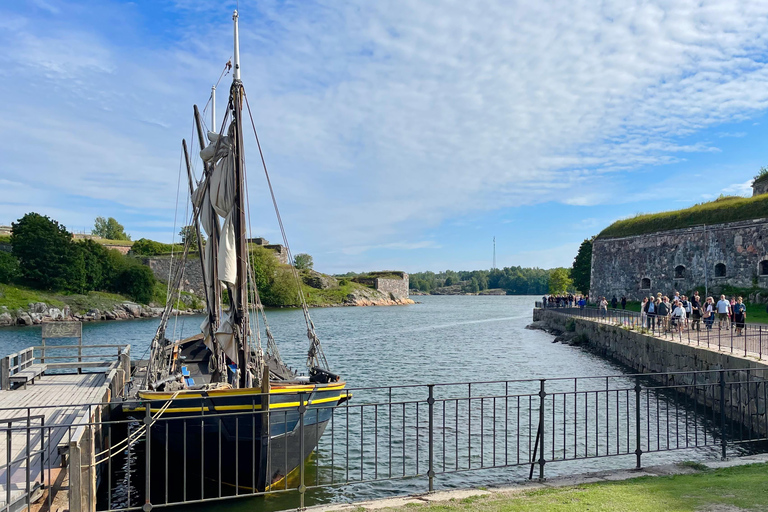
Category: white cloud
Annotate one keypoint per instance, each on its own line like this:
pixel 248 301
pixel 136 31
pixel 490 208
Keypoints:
pixel 739 189
pixel 380 120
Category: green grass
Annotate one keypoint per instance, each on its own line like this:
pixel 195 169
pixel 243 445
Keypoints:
pixel 329 296
pixel 15 297
pixel 730 489
pixel 724 209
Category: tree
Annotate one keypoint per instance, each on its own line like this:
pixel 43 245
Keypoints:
pixel 138 282
pixel 44 250
pixel 9 267
pixel 303 261
pixel 581 272
pixel 109 229
pixel 189 233
pixel 560 280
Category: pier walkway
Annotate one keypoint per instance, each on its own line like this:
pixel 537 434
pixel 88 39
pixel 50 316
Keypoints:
pixel 45 402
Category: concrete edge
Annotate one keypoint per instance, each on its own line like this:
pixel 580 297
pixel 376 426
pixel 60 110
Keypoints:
pixel 558 482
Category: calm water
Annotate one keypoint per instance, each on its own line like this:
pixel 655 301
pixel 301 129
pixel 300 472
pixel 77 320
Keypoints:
pixel 442 339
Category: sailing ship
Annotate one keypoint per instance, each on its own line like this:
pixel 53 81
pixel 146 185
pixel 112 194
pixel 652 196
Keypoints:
pixel 221 400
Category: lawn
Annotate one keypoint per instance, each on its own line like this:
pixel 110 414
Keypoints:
pixel 731 489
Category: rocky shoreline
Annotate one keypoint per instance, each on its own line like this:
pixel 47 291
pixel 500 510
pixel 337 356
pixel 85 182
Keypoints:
pixel 39 312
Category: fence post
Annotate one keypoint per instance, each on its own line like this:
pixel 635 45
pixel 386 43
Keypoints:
pixel 722 414
pixel 542 394
pixel 5 373
pixel 147 456
pixel 638 450
pixel 302 488
pixel 431 404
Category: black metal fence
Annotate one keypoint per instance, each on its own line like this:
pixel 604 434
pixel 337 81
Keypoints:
pixel 722 334
pixel 419 434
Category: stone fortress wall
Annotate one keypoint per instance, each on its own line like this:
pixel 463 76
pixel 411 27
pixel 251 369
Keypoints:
pixel 733 254
pixel 396 288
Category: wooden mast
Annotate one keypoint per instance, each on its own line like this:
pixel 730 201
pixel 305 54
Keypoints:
pixel 241 294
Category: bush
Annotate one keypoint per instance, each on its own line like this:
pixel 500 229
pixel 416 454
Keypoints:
pixel 9 267
pixel 303 261
pixel 146 247
pixel 138 282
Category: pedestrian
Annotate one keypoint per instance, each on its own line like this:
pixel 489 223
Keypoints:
pixel 623 303
pixel 643 312
pixel 709 313
pixel 614 302
pixel 678 316
pixel 650 312
pixel 723 311
pixel 688 308
pixel 662 313
pixel 603 307
pixel 739 315
pixel 696 313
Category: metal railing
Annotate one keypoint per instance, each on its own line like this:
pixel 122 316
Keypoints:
pixel 419 435
pixel 724 335
pixel 21 455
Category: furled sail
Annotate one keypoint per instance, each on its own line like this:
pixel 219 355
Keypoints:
pixel 218 200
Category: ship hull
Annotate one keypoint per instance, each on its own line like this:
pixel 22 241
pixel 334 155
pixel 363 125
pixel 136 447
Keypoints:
pixel 232 439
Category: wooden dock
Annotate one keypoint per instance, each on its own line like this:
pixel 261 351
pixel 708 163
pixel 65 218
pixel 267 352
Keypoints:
pixel 49 431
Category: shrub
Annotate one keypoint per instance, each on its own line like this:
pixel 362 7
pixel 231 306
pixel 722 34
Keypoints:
pixel 146 247
pixel 303 261
pixel 570 325
pixel 9 267
pixel 138 282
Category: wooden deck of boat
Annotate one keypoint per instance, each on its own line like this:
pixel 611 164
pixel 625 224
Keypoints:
pixel 58 398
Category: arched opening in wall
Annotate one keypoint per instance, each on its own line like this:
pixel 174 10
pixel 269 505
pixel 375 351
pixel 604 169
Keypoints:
pixel 764 268
pixel 680 272
pixel 645 284
pixel 720 270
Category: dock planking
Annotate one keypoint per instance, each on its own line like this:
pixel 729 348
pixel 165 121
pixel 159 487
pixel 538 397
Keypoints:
pixel 62 400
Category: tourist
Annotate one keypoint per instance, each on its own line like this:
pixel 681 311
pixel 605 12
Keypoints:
pixel 709 313
pixel 688 308
pixel 739 315
pixel 678 316
pixel 650 313
pixel 730 313
pixel 643 313
pixel 603 307
pixel 662 313
pixel 582 303
pixel 623 303
pixel 723 311
pixel 696 313
pixel 614 302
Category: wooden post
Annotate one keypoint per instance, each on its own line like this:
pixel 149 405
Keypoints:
pixel 5 373
pixel 75 477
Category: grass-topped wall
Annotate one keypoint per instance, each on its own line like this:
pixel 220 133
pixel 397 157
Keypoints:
pixel 722 210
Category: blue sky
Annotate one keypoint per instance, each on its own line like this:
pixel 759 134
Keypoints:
pixel 399 134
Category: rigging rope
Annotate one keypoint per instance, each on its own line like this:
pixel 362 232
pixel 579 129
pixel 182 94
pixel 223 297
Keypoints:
pixel 315 356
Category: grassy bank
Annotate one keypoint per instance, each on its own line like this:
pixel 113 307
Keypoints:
pixel 731 489
pixel 15 297
pixel 724 209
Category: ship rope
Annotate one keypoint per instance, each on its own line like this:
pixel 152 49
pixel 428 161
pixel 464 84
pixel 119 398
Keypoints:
pixel 133 437
pixel 315 355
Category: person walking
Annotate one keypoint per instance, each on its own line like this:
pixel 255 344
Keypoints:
pixel 614 302
pixel 688 309
pixel 709 313
pixel 623 303
pixel 650 313
pixel 678 316
pixel 603 307
pixel 643 313
pixel 739 315
pixel 696 313
pixel 723 310
pixel 662 311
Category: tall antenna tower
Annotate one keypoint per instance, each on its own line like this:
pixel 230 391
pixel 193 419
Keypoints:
pixel 494 253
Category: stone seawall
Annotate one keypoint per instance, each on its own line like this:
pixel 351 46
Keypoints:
pixel 193 272
pixel 744 403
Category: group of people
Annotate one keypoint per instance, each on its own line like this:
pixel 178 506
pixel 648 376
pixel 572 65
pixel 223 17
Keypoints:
pixel 675 314
pixel 564 301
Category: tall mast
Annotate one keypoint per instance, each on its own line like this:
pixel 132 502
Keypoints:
pixel 241 312
pixel 213 108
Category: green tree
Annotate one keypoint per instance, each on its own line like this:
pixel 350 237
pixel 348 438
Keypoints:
pixel 449 281
pixel 303 261
pixel 276 285
pixel 189 233
pixel 109 229
pixel 9 267
pixel 138 282
pixel 560 280
pixel 581 272
pixel 44 250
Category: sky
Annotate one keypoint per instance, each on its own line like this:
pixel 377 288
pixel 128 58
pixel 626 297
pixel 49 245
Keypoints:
pixel 398 134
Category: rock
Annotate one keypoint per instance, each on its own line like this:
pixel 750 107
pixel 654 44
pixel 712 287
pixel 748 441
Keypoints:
pixel 36 318
pixel 55 314
pixel 24 319
pixel 320 281
pixel 38 307
pixel 93 313
pixel 132 308
pixel 6 319
pixel 110 315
